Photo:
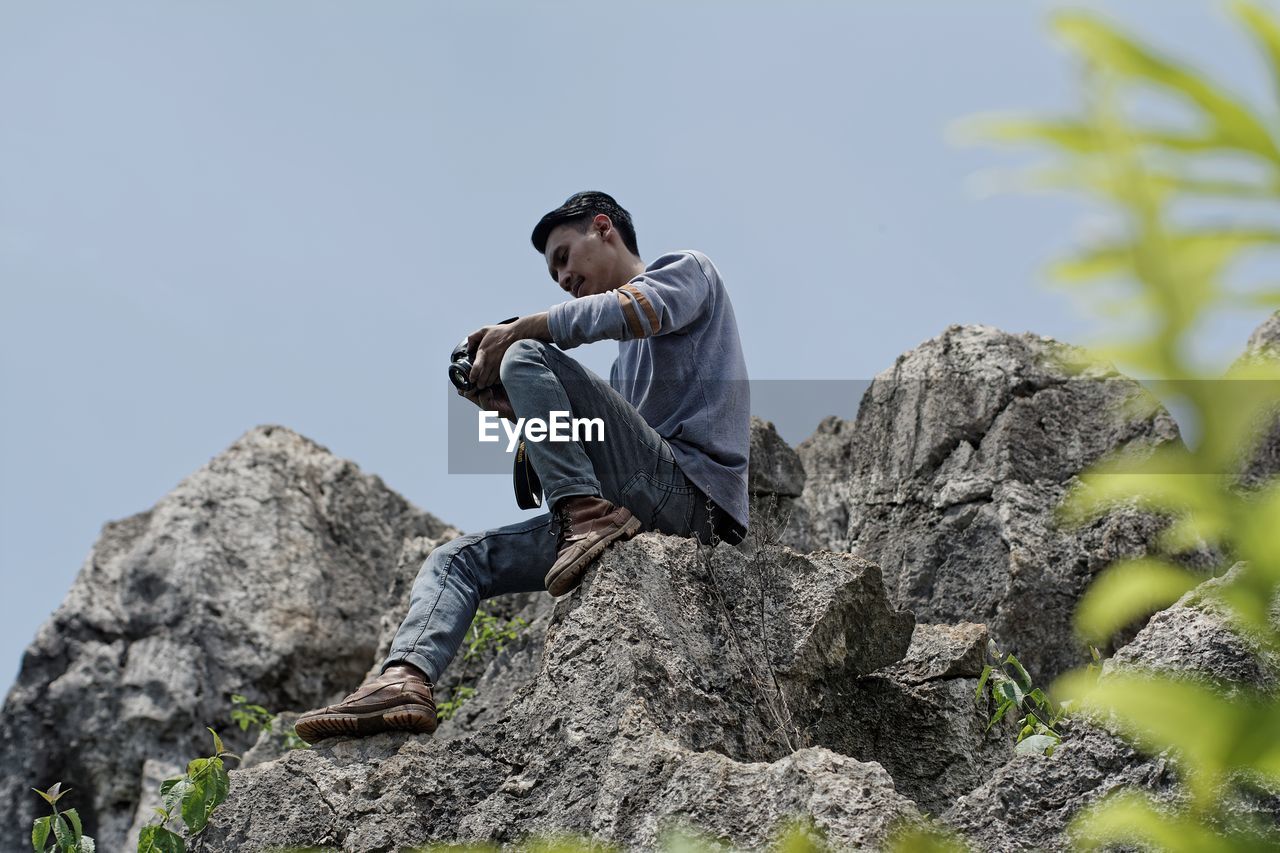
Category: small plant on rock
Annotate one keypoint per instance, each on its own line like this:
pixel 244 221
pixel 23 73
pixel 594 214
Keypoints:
pixel 60 831
pixel 1006 682
pixel 446 709
pixel 189 798
pixel 247 715
pixel 488 632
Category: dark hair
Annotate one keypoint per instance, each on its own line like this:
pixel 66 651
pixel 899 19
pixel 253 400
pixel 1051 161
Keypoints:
pixel 578 209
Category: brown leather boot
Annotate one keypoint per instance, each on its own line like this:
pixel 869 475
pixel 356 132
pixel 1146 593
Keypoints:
pixel 588 525
pixel 397 700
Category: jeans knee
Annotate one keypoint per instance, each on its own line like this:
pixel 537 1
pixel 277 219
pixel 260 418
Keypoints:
pixel 460 559
pixel 522 352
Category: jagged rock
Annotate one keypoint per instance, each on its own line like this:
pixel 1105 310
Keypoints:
pixel 1265 340
pixel 1028 803
pixel 775 467
pixel 950 477
pixel 775 482
pixel 1264 464
pixel 1194 638
pixel 663 693
pixel 942 651
pixel 918 717
pixel 261 574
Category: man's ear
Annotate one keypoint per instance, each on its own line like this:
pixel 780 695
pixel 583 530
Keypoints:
pixel 602 223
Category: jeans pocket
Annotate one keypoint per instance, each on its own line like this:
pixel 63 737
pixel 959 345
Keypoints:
pixel 662 506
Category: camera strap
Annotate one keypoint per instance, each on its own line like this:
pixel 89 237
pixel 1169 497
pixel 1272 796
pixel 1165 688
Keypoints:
pixel 525 480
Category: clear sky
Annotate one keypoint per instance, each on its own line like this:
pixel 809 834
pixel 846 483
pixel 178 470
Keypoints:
pixel 218 215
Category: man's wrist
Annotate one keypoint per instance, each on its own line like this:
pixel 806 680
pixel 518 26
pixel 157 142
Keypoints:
pixel 536 326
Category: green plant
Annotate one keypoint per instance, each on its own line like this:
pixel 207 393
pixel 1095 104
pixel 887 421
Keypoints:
pixel 190 799
pixel 1006 682
pixel 489 633
pixel 62 828
pixel 1164 271
pixel 446 709
pixel 247 715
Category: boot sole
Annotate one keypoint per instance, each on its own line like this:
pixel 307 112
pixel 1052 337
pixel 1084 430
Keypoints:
pixel 568 578
pixel 417 719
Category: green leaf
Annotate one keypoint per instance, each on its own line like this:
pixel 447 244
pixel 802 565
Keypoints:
pixel 173 791
pixel 74 816
pixel 1010 692
pixel 221 785
pixel 1035 745
pixel 62 832
pixel 217 743
pixel 1197 719
pixel 1266 32
pixel 1127 591
pixel 40 832
pixel 982 682
pixel 1233 124
pixel 198 802
pixel 157 839
pixel 54 793
pixel 999 714
pixel 1019 672
pixel 1129 817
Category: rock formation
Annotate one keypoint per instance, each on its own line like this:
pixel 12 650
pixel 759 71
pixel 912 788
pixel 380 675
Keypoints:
pixel 259 574
pixel 1264 463
pixel 671 689
pixel 724 689
pixel 1028 803
pixel 950 476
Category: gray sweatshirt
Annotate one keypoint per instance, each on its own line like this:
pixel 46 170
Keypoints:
pixel 679 363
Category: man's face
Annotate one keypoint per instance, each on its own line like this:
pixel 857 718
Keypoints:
pixel 582 262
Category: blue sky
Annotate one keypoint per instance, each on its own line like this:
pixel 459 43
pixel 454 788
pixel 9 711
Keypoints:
pixel 214 216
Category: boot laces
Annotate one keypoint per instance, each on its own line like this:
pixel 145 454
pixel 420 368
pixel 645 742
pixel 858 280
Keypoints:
pixel 561 522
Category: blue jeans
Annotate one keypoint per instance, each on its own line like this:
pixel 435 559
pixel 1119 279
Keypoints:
pixel 632 466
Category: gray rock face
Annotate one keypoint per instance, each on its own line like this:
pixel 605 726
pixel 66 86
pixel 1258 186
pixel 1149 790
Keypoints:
pixel 1265 340
pixel 1028 803
pixel 775 482
pixel 1264 464
pixel 260 574
pixel 951 474
pixel 918 719
pixel 669 690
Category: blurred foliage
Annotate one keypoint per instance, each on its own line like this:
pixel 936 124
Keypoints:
pixel 1164 268
pixel 798 835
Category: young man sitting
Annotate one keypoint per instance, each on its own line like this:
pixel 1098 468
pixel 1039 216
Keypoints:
pixel 673 457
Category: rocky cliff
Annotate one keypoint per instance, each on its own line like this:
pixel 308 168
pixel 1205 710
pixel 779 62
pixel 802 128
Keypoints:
pixel 825 667
pixel 260 574
pixel 949 476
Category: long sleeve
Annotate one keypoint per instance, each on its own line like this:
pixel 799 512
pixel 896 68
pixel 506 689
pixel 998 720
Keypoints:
pixel 670 294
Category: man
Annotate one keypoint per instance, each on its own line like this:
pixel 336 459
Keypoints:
pixel 673 458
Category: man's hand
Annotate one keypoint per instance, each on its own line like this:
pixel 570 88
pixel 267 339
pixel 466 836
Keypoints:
pixel 490 344
pixel 492 399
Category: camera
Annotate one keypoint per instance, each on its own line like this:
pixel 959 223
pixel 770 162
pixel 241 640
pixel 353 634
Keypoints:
pixel 460 363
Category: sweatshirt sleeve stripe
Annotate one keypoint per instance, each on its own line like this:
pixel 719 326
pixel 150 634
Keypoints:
pixel 629 311
pixel 654 323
